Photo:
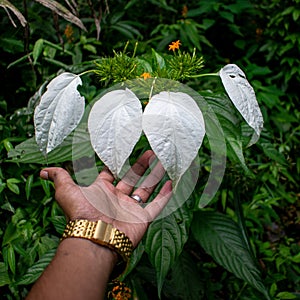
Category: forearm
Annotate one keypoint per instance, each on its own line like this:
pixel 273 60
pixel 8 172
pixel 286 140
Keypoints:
pixel 79 270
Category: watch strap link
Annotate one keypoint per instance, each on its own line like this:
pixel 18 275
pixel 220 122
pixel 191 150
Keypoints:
pixel 100 233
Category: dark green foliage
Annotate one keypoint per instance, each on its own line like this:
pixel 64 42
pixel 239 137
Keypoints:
pixel 255 212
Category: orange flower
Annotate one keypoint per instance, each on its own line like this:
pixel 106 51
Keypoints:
pixel 184 11
pixel 120 291
pixel 146 75
pixel 69 33
pixel 174 45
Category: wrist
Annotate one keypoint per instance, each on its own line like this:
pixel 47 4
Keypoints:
pixel 86 250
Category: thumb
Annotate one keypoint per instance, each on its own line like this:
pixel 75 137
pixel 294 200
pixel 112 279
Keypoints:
pixel 59 176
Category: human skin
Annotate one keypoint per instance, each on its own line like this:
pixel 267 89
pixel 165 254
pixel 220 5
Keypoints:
pixel 81 268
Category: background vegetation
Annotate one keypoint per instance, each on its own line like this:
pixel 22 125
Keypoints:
pixel 262 37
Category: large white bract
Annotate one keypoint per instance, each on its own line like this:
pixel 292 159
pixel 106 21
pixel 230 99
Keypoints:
pixel 59 111
pixel 174 127
pixel 115 126
pixel 243 97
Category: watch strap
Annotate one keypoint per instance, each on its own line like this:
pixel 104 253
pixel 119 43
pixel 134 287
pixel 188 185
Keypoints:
pixel 100 233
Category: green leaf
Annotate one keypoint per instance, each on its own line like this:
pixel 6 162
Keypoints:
pixel 2 186
pixel 286 295
pixel 45 243
pixel 134 260
pixel 4 278
pixel 13 180
pixel 270 151
pixel 37 50
pixel 46 187
pixel 90 48
pixel 28 151
pixel 28 185
pixel 217 145
pixel 145 65
pixel 186 280
pixel 296 258
pixel 165 240
pixel 19 249
pixel 296 14
pixel 12 185
pixel 230 124
pixel 159 60
pixel 235 152
pixel 8 145
pixel 190 33
pixel 222 106
pixel 11 258
pixel 34 272
pixel 227 16
pixel 127 29
pixel 10 234
pixel 235 146
pixel 59 222
pixel 222 239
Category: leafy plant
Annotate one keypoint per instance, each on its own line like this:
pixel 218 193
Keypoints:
pixel 264 177
pixel 178 117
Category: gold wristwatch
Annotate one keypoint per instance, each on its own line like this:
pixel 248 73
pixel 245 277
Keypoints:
pixel 100 233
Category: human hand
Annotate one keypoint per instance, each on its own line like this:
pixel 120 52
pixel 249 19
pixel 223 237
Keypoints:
pixel 113 204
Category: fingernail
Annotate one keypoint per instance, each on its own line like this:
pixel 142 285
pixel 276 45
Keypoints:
pixel 44 174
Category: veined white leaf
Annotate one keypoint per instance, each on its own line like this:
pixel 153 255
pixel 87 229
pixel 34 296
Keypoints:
pixel 243 97
pixel 59 111
pixel 174 126
pixel 115 126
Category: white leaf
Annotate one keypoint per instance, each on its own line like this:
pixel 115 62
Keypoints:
pixel 243 97
pixel 59 111
pixel 174 126
pixel 115 126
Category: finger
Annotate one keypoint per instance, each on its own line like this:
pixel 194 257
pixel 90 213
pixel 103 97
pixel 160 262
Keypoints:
pixel 59 176
pixel 65 188
pixel 157 205
pixel 149 184
pixel 105 175
pixel 134 174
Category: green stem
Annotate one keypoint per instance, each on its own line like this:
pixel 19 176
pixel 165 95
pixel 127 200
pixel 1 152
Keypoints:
pixel 206 74
pixel 86 72
pixel 241 291
pixel 152 86
pixel 125 48
pixel 134 50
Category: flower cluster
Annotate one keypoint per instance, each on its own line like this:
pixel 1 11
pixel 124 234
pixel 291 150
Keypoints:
pixel 181 66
